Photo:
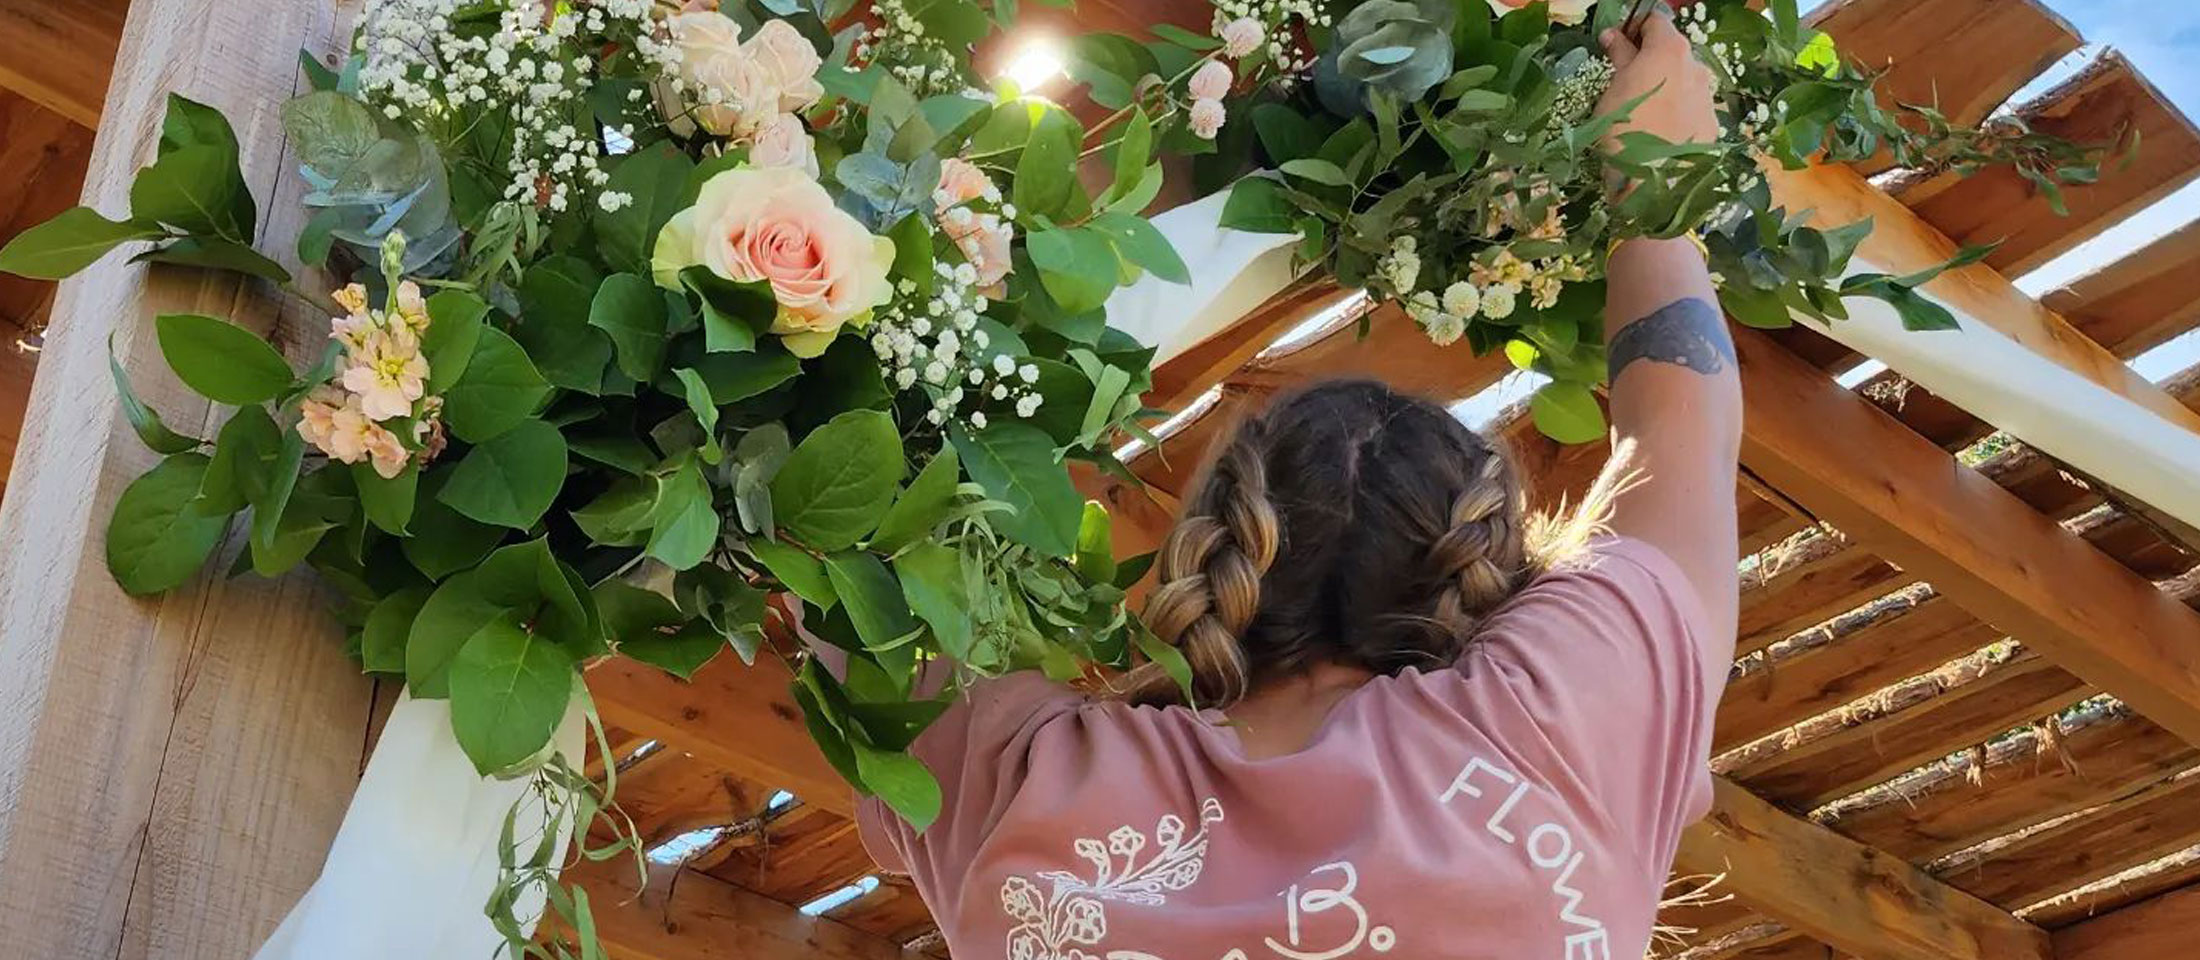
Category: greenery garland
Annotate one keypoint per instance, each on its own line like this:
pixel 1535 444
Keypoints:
pixel 663 312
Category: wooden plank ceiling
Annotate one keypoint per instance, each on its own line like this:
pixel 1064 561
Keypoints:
pixel 1917 759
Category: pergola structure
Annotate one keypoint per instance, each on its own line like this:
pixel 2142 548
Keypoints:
pixel 1966 721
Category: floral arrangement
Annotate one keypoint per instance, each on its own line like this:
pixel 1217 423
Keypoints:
pixel 662 327
pixel 1446 155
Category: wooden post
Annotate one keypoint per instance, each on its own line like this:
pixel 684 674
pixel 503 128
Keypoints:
pixel 171 769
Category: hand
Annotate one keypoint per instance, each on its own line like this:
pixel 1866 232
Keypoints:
pixel 1664 66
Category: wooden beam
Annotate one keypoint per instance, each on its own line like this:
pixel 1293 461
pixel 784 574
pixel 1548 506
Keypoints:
pixel 171 769
pixel 45 155
pixel 1999 205
pixel 2141 301
pixel 2146 826
pixel 740 719
pixel 60 53
pixel 1910 502
pixel 2157 928
pixel 1967 56
pixel 695 916
pixel 1859 900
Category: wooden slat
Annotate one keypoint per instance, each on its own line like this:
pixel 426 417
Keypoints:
pixel 45 155
pixel 1182 378
pixel 2000 205
pixel 1843 893
pixel 1888 488
pixel 2145 826
pixel 171 769
pixel 1903 727
pixel 672 792
pixel 2022 784
pixel 1795 588
pixel 703 918
pixel 804 854
pixel 2140 301
pixel 60 53
pixel 740 719
pixel 2177 871
pixel 2155 930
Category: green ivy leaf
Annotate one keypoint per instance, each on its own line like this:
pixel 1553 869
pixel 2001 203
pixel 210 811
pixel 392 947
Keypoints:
pixel 499 389
pixel 734 377
pixel 656 178
pixel 921 506
pixel 151 430
pixel 1567 412
pixel 1077 266
pixel 1015 464
pixel 647 627
pixel 933 584
pixel 620 516
pixel 1096 544
pixel 555 299
pixel 1258 205
pixel 1140 243
pixel 733 313
pixel 683 521
pixel 798 571
pixel 1043 187
pixel 215 253
pixel 509 691
pixel 631 310
pixel 194 189
pixel 454 331
pixel 276 530
pixel 155 539
pixel 872 598
pixel 900 780
pixel 388 502
pixel 223 362
pixel 705 409
pixel 245 456
pixel 382 640
pixel 443 541
pixel 75 239
pixel 839 479
pixel 510 479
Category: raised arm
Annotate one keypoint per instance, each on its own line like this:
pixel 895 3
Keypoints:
pixel 1675 394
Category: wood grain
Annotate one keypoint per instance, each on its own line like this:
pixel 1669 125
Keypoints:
pixel 172 769
pixel 700 917
pixel 2159 928
pixel 59 54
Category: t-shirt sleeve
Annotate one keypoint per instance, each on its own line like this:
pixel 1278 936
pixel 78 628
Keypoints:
pixel 977 751
pixel 1599 662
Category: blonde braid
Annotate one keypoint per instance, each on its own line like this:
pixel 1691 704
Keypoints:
pixel 1210 570
pixel 1482 560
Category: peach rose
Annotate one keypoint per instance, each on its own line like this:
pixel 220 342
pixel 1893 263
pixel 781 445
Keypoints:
pixel 790 61
pixel 1211 81
pixel 784 142
pixel 984 240
pixel 1568 12
pixel 776 225
pixel 1206 118
pixel 961 182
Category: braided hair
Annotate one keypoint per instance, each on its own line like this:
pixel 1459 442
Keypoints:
pixel 1349 524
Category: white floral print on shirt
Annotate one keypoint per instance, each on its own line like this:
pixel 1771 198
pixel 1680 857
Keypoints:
pixel 1073 915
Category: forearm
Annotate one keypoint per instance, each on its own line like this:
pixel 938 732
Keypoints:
pixel 1677 408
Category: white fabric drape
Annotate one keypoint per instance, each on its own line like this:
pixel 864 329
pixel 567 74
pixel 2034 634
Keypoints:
pixel 416 857
pixel 1232 272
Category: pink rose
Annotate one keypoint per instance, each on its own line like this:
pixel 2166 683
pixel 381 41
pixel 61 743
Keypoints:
pixel 1207 117
pixel 784 142
pixel 1568 12
pixel 1211 81
pixel 790 61
pixel 778 226
pixel 1242 36
pixel 962 182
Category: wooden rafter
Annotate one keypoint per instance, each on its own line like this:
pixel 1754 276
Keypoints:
pixel 1843 893
pixel 742 719
pixel 2161 927
pixel 696 916
pixel 60 54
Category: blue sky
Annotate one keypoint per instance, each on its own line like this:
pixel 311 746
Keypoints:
pixel 2162 39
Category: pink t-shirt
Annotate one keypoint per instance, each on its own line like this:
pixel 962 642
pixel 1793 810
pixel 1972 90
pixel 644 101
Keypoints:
pixel 1525 804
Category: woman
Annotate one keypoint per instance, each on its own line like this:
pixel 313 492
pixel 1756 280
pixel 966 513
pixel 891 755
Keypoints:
pixel 1436 738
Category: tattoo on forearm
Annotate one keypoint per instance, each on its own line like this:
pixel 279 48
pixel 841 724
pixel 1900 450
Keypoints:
pixel 1686 333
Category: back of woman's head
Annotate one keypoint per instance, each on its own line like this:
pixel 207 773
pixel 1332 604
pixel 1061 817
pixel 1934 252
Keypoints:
pixel 1346 524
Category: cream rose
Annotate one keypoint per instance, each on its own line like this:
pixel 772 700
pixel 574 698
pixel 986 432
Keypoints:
pixel 791 63
pixel 1568 12
pixel 784 142
pixel 777 226
pixel 731 89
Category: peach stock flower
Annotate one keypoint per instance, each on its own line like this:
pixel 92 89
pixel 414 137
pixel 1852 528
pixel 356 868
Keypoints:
pixel 784 142
pixel 776 225
pixel 1206 118
pixel 1211 81
pixel 1241 36
pixel 334 423
pixel 388 373
pixel 1568 12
